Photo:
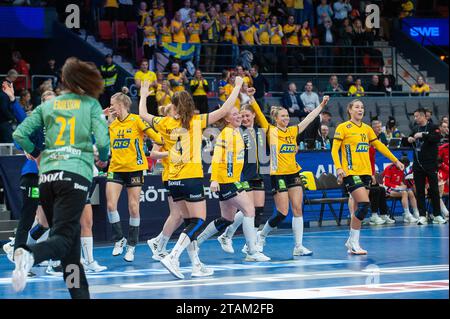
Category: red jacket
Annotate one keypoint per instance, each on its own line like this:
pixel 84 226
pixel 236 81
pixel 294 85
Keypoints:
pixel 393 177
pixel 443 155
pixel 22 68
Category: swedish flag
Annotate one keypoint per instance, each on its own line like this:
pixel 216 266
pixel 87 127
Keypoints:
pixel 183 51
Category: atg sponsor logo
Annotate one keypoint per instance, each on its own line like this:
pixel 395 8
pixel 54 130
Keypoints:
pixel 362 147
pixel 121 143
pixel 287 148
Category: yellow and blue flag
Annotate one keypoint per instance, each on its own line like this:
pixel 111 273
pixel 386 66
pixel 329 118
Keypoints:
pixel 183 51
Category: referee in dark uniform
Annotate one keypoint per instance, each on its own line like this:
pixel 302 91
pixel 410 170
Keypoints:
pixel 425 138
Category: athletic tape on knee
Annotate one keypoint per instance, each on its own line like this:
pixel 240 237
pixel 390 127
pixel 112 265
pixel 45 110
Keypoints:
pixel 135 221
pixel 259 211
pixel 221 223
pixel 37 231
pixel 274 221
pixel 113 217
pixel 194 228
pixel 362 211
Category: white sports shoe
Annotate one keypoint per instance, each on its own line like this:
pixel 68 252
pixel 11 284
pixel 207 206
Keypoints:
pixel 119 246
pixel 439 220
pixel 416 215
pixel 422 221
pixel 129 255
pixel 354 248
pixel 256 256
pixel 200 270
pixel 24 261
pixel 94 267
pixel 244 249
pixel 172 265
pixel 260 242
pixel 387 219
pixel 409 218
pixel 8 248
pixel 376 220
pixel 302 251
pixel 226 243
pixel 54 270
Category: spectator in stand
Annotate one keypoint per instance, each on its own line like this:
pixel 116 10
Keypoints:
pixel 263 30
pixel 323 11
pixel 327 37
pixel 211 26
pixel 443 128
pixel 248 34
pixel 333 87
pixel 245 75
pixel 345 31
pixel 407 8
pixel 199 89
pixel 144 74
pixel 185 12
pixel 444 119
pixel 387 88
pixel 164 94
pixel 308 12
pixel 25 101
pixel 53 70
pixel 222 83
pixel 193 30
pixel 142 14
pixel 394 182
pixel 165 31
pixel 359 39
pixel 109 74
pixel 378 129
pixel 22 68
pixel 292 31
pixel 6 112
pixel 391 129
pixel 443 175
pixel 260 84
pixel 231 36
pixel 348 83
pixel 341 10
pixel 306 34
pixel 420 88
pixel 292 102
pixel 309 98
pixel 177 29
pixel 244 98
pixel 149 42
pixel 201 13
pixel 276 31
pixel 313 132
pixel 229 88
pixel 356 89
pixel 429 115
pixel 158 10
pixel 111 10
pixel 388 75
pixel 177 79
pixel 126 10
pixel 375 86
pixel 324 139
pixel 159 80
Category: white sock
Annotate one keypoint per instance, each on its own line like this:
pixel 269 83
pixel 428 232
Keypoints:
pixel 209 231
pixel 406 211
pixel 44 236
pixel 182 243
pixel 163 242
pixel 238 218
pixel 192 250
pixel 87 245
pixel 266 229
pixel 354 235
pixel 297 229
pixel 158 238
pixel 374 214
pixel 444 209
pixel 416 211
pixel 248 226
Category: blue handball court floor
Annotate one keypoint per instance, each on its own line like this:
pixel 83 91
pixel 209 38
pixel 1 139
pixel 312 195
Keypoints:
pixel 404 262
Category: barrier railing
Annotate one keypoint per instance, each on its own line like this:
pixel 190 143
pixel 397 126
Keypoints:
pixel 2 76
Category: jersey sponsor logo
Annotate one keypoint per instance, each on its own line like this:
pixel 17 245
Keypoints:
pixel 287 148
pixel 349 126
pixel 281 184
pixel 362 148
pixel 120 143
pixel 175 183
pixel 136 180
pixel 81 187
pixel 34 192
pixel 348 154
pixel 53 177
pixel 129 130
pixel 195 196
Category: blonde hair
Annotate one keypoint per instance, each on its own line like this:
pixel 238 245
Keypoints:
pixel 350 105
pixel 46 95
pixel 274 110
pixel 122 98
pixel 247 107
pixel 185 107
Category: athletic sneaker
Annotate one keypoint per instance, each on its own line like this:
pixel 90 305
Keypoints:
pixel 376 220
pixel 388 219
pixel 256 256
pixel 422 221
pixel 439 220
pixel 200 270
pixel 129 255
pixel 54 270
pixel 409 218
pixel 31 274
pixel 93 267
pixel 172 265
pixel 23 260
pixel 354 248
pixel 416 215
pixel 157 254
pixel 8 248
pixel 260 242
pixel 301 250
pixel 119 246
pixel 244 249
pixel 45 263
pixel 226 243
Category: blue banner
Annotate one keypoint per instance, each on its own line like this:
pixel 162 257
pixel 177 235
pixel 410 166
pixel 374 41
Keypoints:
pixel 427 31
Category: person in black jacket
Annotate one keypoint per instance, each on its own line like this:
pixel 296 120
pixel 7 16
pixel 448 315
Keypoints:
pixel 425 138
pixel 260 84
pixel 375 86
pixel 109 74
pixel 293 103
pixel 328 36
pixel 6 112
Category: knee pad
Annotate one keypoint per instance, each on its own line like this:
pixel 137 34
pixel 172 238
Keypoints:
pixel 221 223
pixel 274 221
pixel 37 231
pixel 362 211
pixel 259 211
pixel 194 228
pixel 187 221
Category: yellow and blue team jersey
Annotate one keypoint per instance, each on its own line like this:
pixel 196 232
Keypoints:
pixel 355 147
pixel 282 143
pixel 127 140
pixel 228 158
pixel 184 145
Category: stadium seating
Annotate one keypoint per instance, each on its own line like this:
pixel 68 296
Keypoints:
pixel 105 31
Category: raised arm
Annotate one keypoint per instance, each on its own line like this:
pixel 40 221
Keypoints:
pixel 229 103
pixel 143 113
pixel 23 132
pixel 259 115
pixel 312 115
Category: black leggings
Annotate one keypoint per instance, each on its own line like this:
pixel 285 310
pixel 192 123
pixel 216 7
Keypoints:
pixel 63 204
pixel 420 176
pixel 377 198
pixel 30 199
